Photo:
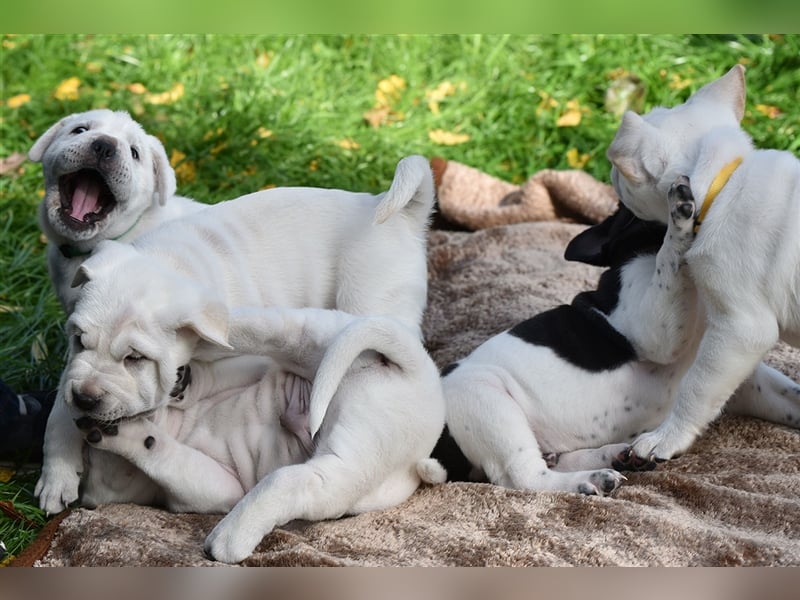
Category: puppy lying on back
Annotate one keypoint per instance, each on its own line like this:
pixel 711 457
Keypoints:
pixel 105 178
pixel 339 419
pixel 554 402
pixel 745 258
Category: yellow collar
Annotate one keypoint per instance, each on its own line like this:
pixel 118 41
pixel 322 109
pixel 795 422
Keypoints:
pixel 716 187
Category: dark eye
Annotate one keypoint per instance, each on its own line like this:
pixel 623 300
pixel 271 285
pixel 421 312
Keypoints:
pixel 134 153
pixel 80 129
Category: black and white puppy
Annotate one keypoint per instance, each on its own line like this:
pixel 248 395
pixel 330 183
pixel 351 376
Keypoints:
pixel 554 402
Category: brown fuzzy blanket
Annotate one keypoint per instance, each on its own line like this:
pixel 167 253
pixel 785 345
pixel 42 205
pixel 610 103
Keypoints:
pixel 733 500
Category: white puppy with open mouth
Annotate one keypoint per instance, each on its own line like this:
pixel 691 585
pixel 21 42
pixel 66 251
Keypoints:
pixel 289 247
pixel 745 256
pixel 105 178
pixel 340 419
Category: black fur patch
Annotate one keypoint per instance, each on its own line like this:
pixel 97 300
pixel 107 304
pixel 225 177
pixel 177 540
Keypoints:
pixel 581 337
pixel 578 333
pixel 184 378
pixel 450 456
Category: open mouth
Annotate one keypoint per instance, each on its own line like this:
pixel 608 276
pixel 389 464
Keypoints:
pixel 85 198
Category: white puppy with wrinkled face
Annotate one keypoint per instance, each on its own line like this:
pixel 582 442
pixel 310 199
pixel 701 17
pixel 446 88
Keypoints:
pixel 105 178
pixel 341 421
pixel 745 258
pixel 291 247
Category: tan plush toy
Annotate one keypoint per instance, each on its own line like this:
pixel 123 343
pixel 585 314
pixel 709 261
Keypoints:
pixel 472 199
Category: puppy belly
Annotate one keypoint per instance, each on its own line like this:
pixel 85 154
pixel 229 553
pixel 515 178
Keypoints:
pixel 242 430
pixel 569 408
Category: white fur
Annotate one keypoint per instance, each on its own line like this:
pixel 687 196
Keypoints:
pixel 745 260
pixel 292 247
pixel 144 188
pixel 373 386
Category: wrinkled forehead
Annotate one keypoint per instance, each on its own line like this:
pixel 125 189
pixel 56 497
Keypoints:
pixel 117 331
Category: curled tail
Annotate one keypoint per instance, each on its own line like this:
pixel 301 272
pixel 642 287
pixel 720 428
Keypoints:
pixel 411 190
pixel 386 336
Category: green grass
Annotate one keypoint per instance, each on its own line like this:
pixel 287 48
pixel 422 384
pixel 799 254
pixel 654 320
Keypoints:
pixel 289 110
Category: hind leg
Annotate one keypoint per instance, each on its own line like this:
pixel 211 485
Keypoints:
pixel 324 487
pixel 770 395
pixel 493 432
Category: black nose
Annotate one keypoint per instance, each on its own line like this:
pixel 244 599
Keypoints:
pixel 84 401
pixel 104 148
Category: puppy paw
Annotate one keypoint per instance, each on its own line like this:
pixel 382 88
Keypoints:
pixel 663 443
pixel 682 213
pixel 57 488
pixel 128 438
pixel 628 461
pixel 601 483
pixel 232 540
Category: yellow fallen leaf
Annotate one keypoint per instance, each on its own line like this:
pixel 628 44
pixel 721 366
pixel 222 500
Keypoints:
pixel 18 100
pixel 264 133
pixel 213 133
pixel 575 159
pixel 185 170
pixel 172 95
pixel 176 157
pixel 439 93
pixel 136 88
pixel 313 165
pixel 348 144
pixel 68 89
pixel 768 110
pixel 218 148
pixel 263 60
pixel 571 117
pixel 447 138
pixel 377 116
pixel 676 82
pixel 546 103
pixel 389 90
pixel 6 474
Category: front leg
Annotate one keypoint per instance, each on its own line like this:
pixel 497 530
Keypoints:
pixel 192 481
pixel 660 317
pixel 62 463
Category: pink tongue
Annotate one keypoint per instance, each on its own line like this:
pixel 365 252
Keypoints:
pixel 85 199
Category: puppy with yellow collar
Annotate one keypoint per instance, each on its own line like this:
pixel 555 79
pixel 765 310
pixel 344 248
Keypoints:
pixel 745 258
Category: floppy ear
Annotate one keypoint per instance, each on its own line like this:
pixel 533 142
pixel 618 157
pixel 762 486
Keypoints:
pixel 40 146
pixel 211 323
pixel 105 257
pixel 163 171
pixel 590 245
pixel 82 276
pixel 635 151
pixel 729 90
